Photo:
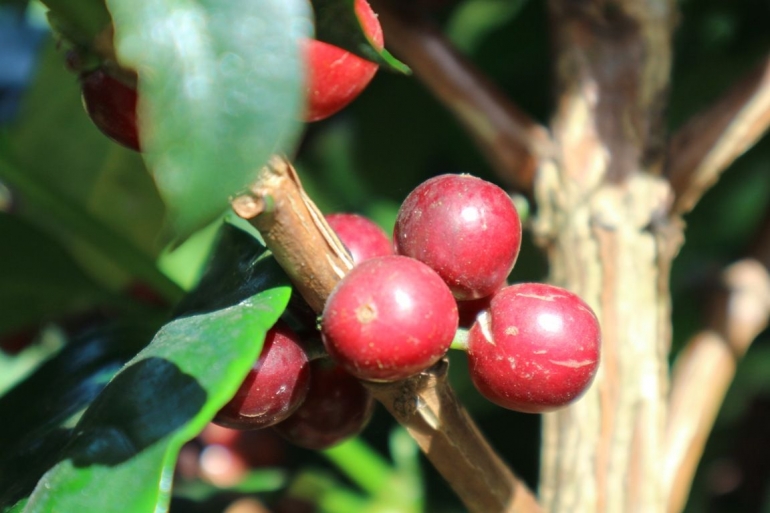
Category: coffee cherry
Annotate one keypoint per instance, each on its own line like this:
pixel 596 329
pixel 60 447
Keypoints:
pixel 335 77
pixel 363 238
pixel 389 318
pixel 111 104
pixel 275 386
pixel 465 228
pixel 536 349
pixel 336 408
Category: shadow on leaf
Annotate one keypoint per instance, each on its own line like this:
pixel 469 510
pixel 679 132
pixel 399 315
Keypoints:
pixel 136 411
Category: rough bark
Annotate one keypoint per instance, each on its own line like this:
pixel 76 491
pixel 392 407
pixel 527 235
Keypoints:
pixel 603 220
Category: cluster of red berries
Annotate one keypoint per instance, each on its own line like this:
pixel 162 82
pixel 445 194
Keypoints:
pixel 532 347
pixel 334 78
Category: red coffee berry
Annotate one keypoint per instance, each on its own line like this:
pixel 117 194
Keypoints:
pixel 389 318
pixel 111 104
pixel 275 386
pixel 363 238
pixel 465 228
pixel 336 408
pixel 536 349
pixel 335 76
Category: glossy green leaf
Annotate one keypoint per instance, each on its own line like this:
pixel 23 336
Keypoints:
pixel 337 23
pixel 16 508
pixel 40 280
pixel 127 441
pixel 220 90
pixel 38 413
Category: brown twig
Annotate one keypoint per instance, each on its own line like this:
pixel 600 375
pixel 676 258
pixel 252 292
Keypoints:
pixel 427 407
pixel 315 260
pixel 706 367
pixel 510 140
pixel 708 143
pixel 295 231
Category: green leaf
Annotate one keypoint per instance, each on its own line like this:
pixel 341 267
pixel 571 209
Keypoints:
pixel 16 508
pixel 337 24
pixel 71 218
pixel 41 282
pixel 220 90
pixel 255 481
pixel 127 441
pixel 55 148
pixel 80 20
pixel 361 464
pixel 38 413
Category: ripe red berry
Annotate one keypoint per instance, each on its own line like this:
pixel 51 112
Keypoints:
pixel 536 349
pixel 111 104
pixel 465 228
pixel 336 408
pixel 389 318
pixel 363 238
pixel 335 76
pixel 275 386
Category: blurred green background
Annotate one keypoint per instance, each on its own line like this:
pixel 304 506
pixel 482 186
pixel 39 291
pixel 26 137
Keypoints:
pixel 366 159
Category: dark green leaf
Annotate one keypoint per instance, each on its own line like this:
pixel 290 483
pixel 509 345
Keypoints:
pixel 127 441
pixel 82 19
pixel 337 23
pixel 37 414
pixel 40 280
pixel 57 149
pixel 220 87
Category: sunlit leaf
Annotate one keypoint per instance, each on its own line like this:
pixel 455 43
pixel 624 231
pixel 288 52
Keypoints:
pixel 127 441
pixel 220 90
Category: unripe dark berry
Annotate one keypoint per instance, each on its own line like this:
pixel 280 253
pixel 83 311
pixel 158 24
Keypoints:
pixel 536 349
pixel 363 238
pixel 389 318
pixel 465 228
pixel 111 104
pixel 335 77
pixel 336 408
pixel 275 386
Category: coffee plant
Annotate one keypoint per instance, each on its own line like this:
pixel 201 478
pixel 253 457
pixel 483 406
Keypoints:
pixel 406 256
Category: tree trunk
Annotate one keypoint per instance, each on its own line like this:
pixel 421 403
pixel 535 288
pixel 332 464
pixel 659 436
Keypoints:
pixel 603 219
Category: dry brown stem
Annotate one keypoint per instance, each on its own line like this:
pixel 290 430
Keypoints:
pixel 712 140
pixel 511 141
pixel 706 367
pixel 427 407
pixel 311 254
pixel 295 231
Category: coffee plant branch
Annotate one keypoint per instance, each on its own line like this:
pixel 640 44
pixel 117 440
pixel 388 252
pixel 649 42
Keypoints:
pixel 315 260
pixel 707 144
pixel 739 311
pixel 511 141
